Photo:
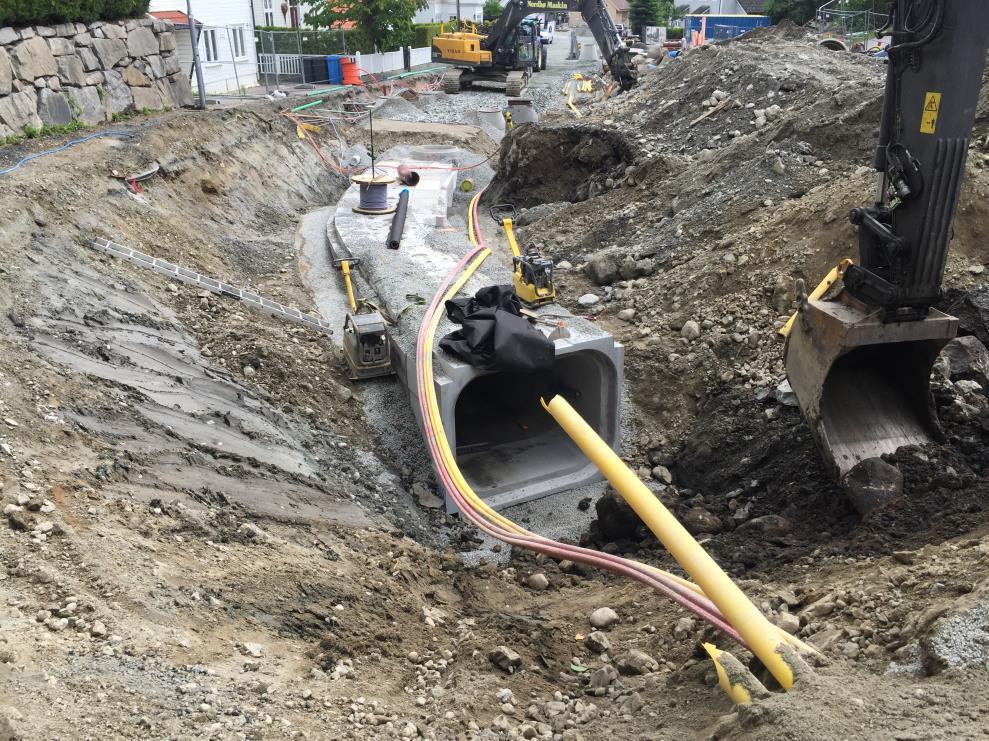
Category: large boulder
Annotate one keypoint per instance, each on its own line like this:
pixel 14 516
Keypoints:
pixel 968 360
pixel 71 71
pixel 88 104
pixel 873 484
pixel 109 51
pixel 165 92
pixel 119 96
pixel 602 269
pixel 60 47
pixel 19 110
pixel 142 43
pixel 166 41
pixel 89 60
pixel 181 90
pixel 146 98
pixel 157 66
pixel 6 72
pixel 8 35
pixel 134 77
pixel 32 59
pixel 53 108
pixel 114 31
pixel 972 310
pixel 172 64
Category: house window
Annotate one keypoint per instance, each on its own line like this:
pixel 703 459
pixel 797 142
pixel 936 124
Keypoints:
pixel 212 50
pixel 237 41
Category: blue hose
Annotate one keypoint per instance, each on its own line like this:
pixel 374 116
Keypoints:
pixel 64 146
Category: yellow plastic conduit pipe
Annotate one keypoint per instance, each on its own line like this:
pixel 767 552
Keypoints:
pixel 762 637
pixel 478 504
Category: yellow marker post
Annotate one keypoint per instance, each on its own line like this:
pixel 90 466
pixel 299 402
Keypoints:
pixel 759 634
pixel 345 269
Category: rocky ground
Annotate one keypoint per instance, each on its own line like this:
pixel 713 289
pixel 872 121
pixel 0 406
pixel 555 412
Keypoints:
pixel 201 540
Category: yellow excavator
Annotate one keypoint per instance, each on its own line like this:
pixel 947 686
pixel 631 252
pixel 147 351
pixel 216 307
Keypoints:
pixel 513 51
pixel 860 361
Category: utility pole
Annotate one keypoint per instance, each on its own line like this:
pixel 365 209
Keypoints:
pixel 195 56
pixel 458 13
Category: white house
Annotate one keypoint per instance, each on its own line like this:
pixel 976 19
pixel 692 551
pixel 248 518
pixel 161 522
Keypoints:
pixel 292 13
pixel 281 13
pixel 446 10
pixel 721 7
pixel 225 31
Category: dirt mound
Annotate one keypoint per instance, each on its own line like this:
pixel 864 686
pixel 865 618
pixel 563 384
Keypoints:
pixel 529 172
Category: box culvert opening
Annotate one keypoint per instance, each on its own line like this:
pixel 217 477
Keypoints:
pixel 505 440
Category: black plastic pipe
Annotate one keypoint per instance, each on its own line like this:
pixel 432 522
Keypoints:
pixel 398 221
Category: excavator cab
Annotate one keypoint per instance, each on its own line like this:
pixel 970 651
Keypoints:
pixel 860 349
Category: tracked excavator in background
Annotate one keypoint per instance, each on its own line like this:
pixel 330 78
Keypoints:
pixel 513 51
pixel 859 354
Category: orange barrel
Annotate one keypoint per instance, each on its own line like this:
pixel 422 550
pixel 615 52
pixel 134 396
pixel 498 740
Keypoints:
pixel 349 68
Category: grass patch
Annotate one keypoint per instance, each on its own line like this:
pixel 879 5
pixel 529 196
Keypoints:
pixel 37 132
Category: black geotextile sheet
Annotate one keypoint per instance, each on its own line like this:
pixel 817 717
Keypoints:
pixel 494 335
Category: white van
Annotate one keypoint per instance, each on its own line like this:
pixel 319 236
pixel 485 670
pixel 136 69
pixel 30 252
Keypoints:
pixel 548 31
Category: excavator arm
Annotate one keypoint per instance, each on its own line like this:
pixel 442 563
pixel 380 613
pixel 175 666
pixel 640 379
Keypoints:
pixel 860 362
pixel 932 90
pixel 613 49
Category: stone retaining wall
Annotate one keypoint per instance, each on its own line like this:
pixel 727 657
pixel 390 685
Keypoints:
pixel 87 72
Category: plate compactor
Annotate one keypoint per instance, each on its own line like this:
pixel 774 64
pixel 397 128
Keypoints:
pixel 860 361
pixel 366 342
pixel 532 272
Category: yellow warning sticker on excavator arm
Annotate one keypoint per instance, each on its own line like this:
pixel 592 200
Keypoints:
pixel 932 108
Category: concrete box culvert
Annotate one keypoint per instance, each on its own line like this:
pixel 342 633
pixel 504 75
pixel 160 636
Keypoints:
pixel 509 449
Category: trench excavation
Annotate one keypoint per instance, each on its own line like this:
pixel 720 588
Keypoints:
pixel 291 548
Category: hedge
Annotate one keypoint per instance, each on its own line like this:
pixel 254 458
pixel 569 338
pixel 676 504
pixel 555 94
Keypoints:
pixel 423 34
pixel 674 34
pixel 29 12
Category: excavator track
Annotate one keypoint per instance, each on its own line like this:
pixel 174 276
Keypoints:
pixel 451 81
pixel 515 84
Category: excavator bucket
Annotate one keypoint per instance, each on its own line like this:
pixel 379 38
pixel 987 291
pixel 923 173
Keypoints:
pixel 862 384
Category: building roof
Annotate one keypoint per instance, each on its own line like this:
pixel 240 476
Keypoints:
pixel 753 7
pixel 177 17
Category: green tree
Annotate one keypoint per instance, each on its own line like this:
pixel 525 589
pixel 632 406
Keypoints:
pixel 665 11
pixel 643 13
pixel 382 24
pixel 492 9
pixel 798 11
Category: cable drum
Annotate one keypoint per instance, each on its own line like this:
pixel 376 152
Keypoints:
pixel 373 193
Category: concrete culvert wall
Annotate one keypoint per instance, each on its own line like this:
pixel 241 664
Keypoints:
pixel 504 440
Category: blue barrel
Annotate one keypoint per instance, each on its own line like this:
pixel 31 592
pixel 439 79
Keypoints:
pixel 333 71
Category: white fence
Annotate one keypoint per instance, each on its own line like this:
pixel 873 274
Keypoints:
pixel 280 68
pixel 280 65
